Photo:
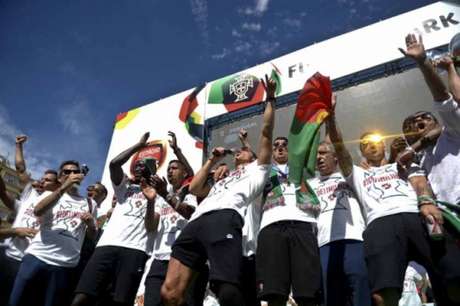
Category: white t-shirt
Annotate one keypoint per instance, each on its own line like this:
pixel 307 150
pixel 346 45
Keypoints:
pixel 61 234
pixel 24 218
pixel 170 226
pixel 251 227
pixel 341 216
pixel 442 161
pixel 126 227
pixel 412 280
pixel 235 191
pixel 280 200
pixel 382 192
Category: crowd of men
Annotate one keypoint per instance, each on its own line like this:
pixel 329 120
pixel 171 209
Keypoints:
pixel 241 233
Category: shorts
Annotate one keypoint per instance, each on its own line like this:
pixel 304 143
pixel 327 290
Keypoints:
pixel 215 236
pixel 391 242
pixel 117 266
pixel 288 257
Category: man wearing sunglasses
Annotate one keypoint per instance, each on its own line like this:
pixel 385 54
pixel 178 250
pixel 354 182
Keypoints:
pixel 47 270
pixel 440 150
pixel 397 203
pixel 286 241
pixel 214 231
pixel 122 251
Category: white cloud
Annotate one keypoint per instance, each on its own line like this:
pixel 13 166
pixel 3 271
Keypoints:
pixel 259 8
pixel 218 56
pixel 200 14
pixel 267 47
pixel 243 46
pixel 235 33
pixel 293 22
pixel 252 26
pixel 36 161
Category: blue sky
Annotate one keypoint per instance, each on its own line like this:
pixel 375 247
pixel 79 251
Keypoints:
pixel 68 67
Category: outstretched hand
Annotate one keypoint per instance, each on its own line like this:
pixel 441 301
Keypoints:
pixel 20 139
pixel 269 86
pixel 217 154
pixel 444 63
pixel 144 138
pixel 414 48
pixel 160 185
pixel 149 192
pixel 243 134
pixel 173 140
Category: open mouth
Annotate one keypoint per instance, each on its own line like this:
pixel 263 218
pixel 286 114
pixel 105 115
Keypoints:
pixel 420 125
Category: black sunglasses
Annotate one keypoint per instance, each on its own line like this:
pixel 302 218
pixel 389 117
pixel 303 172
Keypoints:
pixel 69 171
pixel 280 144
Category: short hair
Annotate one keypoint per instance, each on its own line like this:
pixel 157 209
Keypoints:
pixel 329 145
pixel 281 138
pixel 176 161
pixel 69 162
pixel 104 190
pixel 51 171
pixel 416 114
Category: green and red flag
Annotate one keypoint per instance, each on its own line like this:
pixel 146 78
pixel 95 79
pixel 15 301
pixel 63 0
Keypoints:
pixel 236 91
pixel 313 107
pixel 192 119
pixel 276 76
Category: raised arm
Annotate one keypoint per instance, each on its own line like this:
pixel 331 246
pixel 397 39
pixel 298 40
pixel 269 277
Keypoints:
pixel 178 152
pixel 198 186
pixel 151 218
pixel 49 201
pixel 243 136
pixel 264 154
pixel 343 156
pixel 20 163
pixel 416 51
pixel 116 172
pixel 453 79
pixel 4 196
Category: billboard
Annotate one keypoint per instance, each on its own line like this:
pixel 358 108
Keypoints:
pixel 186 113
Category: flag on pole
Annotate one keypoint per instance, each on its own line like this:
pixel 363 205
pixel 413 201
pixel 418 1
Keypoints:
pixel 192 119
pixel 313 107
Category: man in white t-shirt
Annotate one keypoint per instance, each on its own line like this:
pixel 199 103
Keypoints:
pixel 25 227
pixel 287 240
pixel 340 234
pixel 395 233
pixel 174 215
pixel 122 251
pixel 440 155
pixel 46 272
pixel 214 230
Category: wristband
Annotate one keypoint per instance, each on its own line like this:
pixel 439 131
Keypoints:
pixel 425 200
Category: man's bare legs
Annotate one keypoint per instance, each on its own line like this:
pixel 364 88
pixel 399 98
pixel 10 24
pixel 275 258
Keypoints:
pixel 177 280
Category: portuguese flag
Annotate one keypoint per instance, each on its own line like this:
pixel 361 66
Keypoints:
pixel 312 109
pixel 192 119
pixel 236 91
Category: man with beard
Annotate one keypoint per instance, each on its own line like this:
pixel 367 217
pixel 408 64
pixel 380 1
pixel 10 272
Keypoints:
pixel 395 233
pixel 46 271
pixel 120 255
pixel 174 215
pixel 340 234
pixel 214 232
pixel 286 241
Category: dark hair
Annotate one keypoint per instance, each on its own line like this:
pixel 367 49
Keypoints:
pixel 414 115
pixel 51 171
pixel 69 162
pixel 280 138
pixel 104 190
pixel 176 161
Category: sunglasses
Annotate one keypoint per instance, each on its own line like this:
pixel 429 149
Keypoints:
pixel 280 144
pixel 409 122
pixel 69 171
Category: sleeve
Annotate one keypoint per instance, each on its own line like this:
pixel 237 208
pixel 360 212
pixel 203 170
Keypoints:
pixel 415 170
pixel 258 177
pixel 190 199
pixel 449 111
pixel 120 190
